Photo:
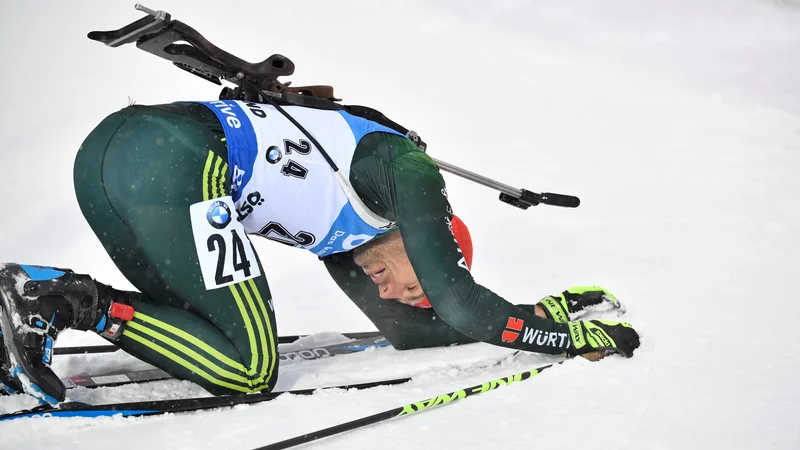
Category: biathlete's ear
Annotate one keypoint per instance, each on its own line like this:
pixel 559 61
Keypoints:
pixel 464 239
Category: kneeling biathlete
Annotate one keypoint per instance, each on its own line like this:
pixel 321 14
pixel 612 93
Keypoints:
pixel 174 191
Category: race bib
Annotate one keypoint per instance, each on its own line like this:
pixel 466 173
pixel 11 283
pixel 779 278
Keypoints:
pixel 225 253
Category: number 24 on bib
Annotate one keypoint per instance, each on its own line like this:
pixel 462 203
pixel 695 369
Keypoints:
pixel 225 253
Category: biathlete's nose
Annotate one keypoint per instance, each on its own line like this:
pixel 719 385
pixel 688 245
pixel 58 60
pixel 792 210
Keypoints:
pixel 384 290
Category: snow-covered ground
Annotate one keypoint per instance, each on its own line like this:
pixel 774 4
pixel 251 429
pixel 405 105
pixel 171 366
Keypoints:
pixel 676 122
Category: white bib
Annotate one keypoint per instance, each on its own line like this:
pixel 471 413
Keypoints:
pixel 282 186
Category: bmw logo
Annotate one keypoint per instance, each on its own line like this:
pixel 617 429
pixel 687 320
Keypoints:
pixel 274 154
pixel 219 215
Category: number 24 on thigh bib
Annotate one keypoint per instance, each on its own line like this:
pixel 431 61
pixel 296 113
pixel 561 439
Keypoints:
pixel 225 253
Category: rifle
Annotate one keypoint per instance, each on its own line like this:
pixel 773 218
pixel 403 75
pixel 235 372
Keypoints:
pixel 159 34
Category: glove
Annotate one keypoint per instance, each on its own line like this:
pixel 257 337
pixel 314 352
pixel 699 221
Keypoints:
pixel 569 304
pixel 603 335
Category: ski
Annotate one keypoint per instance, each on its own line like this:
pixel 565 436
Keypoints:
pixel 110 348
pixel 117 379
pixel 286 357
pixel 155 407
pixel 149 408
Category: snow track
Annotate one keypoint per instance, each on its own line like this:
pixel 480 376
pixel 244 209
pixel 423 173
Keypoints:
pixel 676 123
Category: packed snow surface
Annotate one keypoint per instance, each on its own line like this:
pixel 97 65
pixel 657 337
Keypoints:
pixel 677 123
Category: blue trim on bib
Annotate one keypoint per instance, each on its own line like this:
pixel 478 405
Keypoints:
pixel 347 232
pixel 241 140
pixel 362 127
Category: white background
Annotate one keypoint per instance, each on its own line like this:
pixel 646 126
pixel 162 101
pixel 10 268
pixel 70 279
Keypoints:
pixel 676 122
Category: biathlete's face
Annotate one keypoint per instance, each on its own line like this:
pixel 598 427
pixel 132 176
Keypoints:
pixel 386 262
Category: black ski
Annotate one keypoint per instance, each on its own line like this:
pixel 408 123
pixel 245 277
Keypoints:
pixel 286 357
pixel 149 408
pixel 84 349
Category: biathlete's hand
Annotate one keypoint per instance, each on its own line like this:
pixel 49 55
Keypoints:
pixel 604 336
pixel 575 301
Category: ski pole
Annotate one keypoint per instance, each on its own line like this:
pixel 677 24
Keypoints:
pixel 405 410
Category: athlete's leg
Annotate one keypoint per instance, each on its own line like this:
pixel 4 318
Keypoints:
pixel 135 177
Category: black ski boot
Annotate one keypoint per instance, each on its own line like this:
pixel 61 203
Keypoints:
pixel 36 304
pixel 577 301
pixel 8 385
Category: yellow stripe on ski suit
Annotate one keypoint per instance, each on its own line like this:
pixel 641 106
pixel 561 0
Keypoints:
pixel 216 190
pixel 249 326
pixel 211 351
pixel 236 365
pixel 188 352
pixel 273 356
pixel 206 173
pixel 210 192
pixel 222 179
pixel 260 327
pixel 269 352
pixel 215 178
pixel 194 369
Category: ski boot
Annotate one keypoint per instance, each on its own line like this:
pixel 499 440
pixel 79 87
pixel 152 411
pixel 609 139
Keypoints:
pixel 578 301
pixel 36 304
pixel 8 385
